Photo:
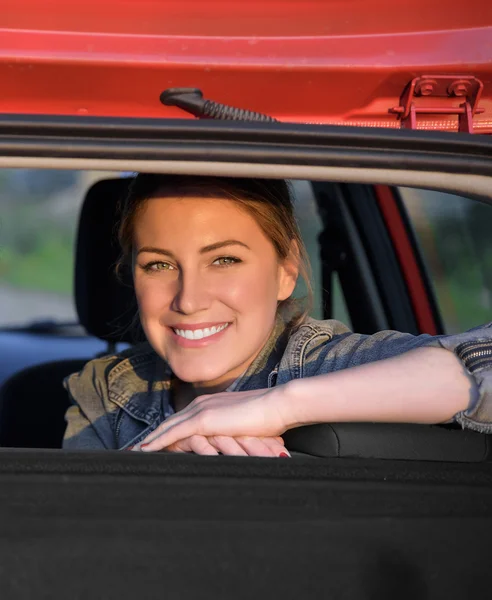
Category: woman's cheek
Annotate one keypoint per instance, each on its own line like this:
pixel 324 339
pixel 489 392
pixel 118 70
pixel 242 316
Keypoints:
pixel 247 290
pixel 152 297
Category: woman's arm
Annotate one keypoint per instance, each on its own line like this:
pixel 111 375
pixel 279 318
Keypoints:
pixel 427 385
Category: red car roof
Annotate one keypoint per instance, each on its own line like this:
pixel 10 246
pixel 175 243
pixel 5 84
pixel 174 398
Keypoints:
pixel 313 61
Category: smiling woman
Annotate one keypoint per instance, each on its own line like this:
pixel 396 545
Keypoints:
pixel 231 361
pixel 209 258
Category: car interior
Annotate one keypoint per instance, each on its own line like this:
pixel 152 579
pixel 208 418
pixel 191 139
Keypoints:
pixel 352 251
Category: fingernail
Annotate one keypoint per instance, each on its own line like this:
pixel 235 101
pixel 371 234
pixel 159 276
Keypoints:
pixel 144 446
pixel 130 447
pixel 284 455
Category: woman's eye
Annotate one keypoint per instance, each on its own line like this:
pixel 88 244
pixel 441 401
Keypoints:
pixel 158 266
pixel 226 261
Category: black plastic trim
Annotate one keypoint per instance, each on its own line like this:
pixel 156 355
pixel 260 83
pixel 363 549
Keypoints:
pixel 417 252
pixel 380 253
pixel 31 463
pixel 339 255
pixel 277 143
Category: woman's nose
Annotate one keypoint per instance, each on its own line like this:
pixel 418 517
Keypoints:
pixel 191 296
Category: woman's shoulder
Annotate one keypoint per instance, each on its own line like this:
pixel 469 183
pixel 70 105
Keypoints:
pixel 311 329
pixel 124 372
pixel 109 365
pixel 304 344
pixel 104 388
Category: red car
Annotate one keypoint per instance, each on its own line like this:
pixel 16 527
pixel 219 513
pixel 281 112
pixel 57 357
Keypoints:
pixel 380 115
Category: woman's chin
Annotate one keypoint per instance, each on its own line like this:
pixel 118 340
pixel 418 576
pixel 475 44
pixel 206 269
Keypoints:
pixel 196 374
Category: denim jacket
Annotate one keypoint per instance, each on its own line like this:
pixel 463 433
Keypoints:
pixel 119 399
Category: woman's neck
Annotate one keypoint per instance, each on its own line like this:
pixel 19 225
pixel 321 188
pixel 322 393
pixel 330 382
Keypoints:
pixel 184 393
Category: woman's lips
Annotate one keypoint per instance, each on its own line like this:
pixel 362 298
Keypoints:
pixel 197 336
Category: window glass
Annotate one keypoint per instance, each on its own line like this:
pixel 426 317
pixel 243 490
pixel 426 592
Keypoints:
pixel 311 226
pixel 340 311
pixel 38 219
pixel 454 235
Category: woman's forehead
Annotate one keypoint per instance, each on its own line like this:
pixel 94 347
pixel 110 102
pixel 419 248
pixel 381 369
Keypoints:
pixel 193 206
pixel 194 219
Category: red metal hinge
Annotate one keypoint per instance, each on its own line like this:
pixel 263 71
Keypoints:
pixel 421 94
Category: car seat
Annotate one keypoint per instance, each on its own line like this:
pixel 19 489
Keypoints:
pixel 33 401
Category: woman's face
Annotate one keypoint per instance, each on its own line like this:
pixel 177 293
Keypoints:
pixel 207 281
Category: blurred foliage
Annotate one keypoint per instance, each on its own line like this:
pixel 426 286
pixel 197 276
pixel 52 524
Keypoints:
pixel 456 244
pixel 37 226
pixel 46 265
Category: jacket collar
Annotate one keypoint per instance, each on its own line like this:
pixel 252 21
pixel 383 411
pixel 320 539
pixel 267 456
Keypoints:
pixel 258 373
pixel 140 384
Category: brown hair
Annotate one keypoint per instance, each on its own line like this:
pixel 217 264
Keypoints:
pixel 268 201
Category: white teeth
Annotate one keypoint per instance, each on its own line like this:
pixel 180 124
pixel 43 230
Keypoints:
pixel 198 334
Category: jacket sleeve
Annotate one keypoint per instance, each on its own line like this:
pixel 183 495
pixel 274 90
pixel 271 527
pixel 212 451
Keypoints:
pixel 473 348
pixel 90 425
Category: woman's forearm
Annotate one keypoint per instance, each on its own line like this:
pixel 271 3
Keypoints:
pixel 428 385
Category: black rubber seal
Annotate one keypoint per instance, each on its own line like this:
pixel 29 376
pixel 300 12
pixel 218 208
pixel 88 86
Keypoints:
pixel 216 141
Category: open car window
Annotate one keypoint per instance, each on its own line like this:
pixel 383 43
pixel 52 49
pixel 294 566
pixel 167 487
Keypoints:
pixel 348 238
pixel 310 225
pixel 38 220
pixel 453 234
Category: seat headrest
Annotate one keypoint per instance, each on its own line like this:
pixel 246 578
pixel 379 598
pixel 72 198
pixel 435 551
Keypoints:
pixel 105 303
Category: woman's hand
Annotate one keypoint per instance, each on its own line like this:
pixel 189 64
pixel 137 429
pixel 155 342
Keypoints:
pixel 258 415
pixel 231 446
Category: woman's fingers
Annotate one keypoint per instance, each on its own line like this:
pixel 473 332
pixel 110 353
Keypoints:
pixel 200 445
pixel 230 446
pixel 175 428
pixel 196 443
pixel 171 422
pixel 276 444
pixel 227 445
pixel 265 446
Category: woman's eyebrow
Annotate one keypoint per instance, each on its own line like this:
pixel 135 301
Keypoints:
pixel 204 250
pixel 155 250
pixel 218 245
